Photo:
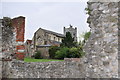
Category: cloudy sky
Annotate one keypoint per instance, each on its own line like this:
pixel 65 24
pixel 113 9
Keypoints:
pixel 52 15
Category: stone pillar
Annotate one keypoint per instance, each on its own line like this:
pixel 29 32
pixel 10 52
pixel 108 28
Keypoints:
pixel 102 46
pixel 19 29
pixel 119 39
pixel 0 49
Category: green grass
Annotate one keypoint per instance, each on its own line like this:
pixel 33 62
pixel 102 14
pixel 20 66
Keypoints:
pixel 39 60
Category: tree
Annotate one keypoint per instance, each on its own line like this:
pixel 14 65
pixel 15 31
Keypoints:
pixel 86 36
pixel 68 41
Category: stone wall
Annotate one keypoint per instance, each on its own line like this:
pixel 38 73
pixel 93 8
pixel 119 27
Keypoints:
pixel 100 61
pixel 0 49
pixel 57 69
pixel 119 40
pixel 102 47
pixel 7 39
pixel 19 29
pixel 12 37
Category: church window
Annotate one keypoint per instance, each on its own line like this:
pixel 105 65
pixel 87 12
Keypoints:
pixel 54 38
pixel 45 43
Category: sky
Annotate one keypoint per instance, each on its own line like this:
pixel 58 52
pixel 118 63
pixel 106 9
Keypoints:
pixel 47 15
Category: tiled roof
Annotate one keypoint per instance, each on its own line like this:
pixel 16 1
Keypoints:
pixel 51 32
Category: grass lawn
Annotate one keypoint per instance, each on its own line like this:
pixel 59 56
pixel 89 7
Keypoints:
pixel 40 60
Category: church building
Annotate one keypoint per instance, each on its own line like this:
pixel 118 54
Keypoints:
pixel 43 39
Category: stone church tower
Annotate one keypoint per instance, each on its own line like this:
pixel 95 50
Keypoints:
pixel 73 32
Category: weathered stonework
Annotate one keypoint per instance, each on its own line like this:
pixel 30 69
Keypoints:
pixel 102 46
pixel 13 37
pixel 53 69
pixel 7 39
pixel 0 49
pixel 19 29
pixel 119 40
pixel 100 61
pixel 73 32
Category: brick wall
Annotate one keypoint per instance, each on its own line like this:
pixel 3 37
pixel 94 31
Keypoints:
pixel 19 29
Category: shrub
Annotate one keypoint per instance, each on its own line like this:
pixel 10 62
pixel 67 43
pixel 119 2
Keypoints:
pixel 52 51
pixel 88 11
pixel 69 53
pixel 37 55
pixel 73 53
pixel 62 53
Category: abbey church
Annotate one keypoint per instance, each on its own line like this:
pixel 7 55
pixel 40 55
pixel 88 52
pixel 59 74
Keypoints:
pixel 43 39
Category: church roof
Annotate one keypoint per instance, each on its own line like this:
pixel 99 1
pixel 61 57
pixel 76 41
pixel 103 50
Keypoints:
pixel 54 33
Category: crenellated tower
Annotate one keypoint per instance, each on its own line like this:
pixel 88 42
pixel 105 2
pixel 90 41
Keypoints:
pixel 73 32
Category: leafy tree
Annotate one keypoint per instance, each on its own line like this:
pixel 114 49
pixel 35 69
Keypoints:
pixel 68 48
pixel 86 37
pixel 68 41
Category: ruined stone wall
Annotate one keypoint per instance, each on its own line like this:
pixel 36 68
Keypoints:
pixel 57 69
pixel 100 61
pixel 7 37
pixel 119 39
pixel 0 49
pixel 19 30
pixel 102 47
pixel 12 37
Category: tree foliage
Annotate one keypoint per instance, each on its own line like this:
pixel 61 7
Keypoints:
pixel 68 48
pixel 86 37
pixel 68 41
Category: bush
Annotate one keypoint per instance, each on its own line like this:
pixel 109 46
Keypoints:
pixel 69 53
pixel 38 55
pixel 52 51
pixel 62 53
pixel 73 53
